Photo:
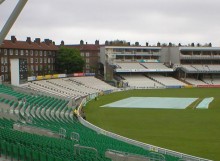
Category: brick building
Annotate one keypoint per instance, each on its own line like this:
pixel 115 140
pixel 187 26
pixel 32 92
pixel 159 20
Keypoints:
pixel 90 53
pixel 40 56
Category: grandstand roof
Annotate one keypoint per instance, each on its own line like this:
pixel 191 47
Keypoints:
pixel 199 48
pixel 134 47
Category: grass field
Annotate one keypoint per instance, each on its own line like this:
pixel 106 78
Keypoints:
pixel 191 131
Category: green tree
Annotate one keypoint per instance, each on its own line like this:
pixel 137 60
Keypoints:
pixel 69 61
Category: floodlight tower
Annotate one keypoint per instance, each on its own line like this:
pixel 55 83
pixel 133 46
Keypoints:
pixel 14 15
pixel 1 1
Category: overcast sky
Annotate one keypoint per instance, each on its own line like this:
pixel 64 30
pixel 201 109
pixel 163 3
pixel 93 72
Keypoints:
pixel 176 21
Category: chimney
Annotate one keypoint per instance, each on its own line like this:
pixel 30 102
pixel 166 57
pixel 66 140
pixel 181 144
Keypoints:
pixel 13 39
pixel 47 41
pixel 81 42
pixel 179 44
pixel 147 44
pixel 97 42
pixel 129 44
pixel 62 43
pixel 210 44
pixel 170 44
pixel 28 40
pixel 158 44
pixel 37 40
pixel 106 42
pixel 192 44
pixel 136 43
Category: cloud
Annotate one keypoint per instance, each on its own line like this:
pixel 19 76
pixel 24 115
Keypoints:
pixel 139 20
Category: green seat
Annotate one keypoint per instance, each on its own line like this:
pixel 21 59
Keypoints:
pixel 28 154
pixel 21 153
pixel 43 156
pixel 15 151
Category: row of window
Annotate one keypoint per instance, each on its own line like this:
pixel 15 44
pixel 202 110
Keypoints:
pixel 40 67
pixel 85 54
pixel 27 52
pixel 4 69
pixel 32 68
pixel 4 60
pixel 40 60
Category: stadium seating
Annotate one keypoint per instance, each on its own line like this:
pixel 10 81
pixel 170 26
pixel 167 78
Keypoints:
pixel 201 68
pixel 53 114
pixel 166 81
pixel 156 66
pixel 140 81
pixel 130 66
pixel 194 81
pixel 70 87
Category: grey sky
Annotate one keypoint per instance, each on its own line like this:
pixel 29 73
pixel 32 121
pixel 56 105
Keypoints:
pixel 152 21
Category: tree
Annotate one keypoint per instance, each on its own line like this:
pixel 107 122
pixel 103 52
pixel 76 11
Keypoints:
pixel 69 61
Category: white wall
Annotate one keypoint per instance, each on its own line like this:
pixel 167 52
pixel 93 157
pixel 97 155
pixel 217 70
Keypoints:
pixel 14 72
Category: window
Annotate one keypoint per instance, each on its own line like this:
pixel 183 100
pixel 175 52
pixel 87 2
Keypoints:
pixel 2 68
pixel 6 69
pixel 41 53
pixel 45 53
pixel 87 60
pixel 87 66
pixel 48 60
pixel 32 68
pixel 36 67
pixel 21 52
pixel 31 52
pixel 10 51
pixel 5 52
pixel 82 54
pixel 48 67
pixel 87 71
pixel 87 54
pixel 51 67
pixel 36 53
pixel 26 52
pixel 6 60
pixel 36 60
pixel 16 52
pixel 45 60
pixel 41 60
pixel 32 60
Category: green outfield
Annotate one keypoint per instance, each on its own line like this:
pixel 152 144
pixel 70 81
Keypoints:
pixel 192 131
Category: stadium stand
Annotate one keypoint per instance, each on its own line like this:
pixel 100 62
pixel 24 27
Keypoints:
pixel 194 81
pixel 189 68
pixel 166 81
pixel 71 87
pixel 130 66
pixel 93 83
pixel 201 68
pixel 76 142
pixel 157 66
pixel 140 81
